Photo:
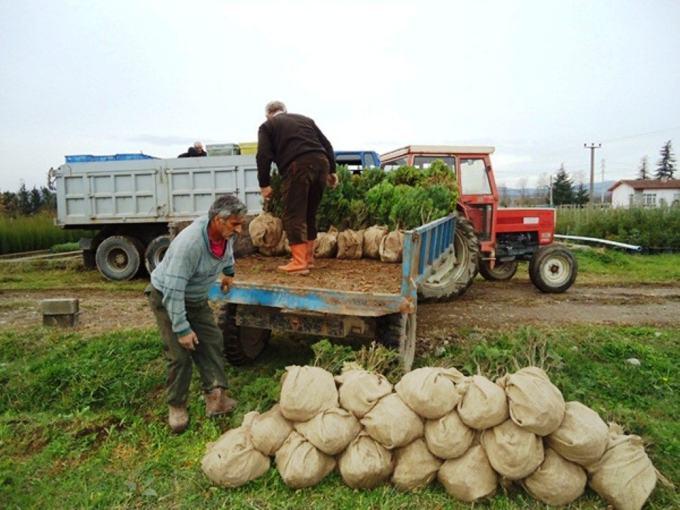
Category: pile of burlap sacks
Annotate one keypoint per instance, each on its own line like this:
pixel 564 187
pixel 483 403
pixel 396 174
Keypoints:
pixel 377 242
pixel 470 433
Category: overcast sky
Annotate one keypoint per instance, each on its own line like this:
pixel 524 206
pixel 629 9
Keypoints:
pixel 536 79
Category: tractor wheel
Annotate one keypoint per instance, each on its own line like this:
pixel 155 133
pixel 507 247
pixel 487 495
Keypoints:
pixel 459 277
pixel 553 269
pixel 242 344
pixel 119 257
pixel 501 272
pixel 155 252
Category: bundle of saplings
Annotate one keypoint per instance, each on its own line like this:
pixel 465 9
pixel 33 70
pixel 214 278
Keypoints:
pixel 364 216
pixel 468 432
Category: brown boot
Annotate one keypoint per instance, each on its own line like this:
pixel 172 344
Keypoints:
pixel 310 254
pixel 178 418
pixel 298 264
pixel 218 402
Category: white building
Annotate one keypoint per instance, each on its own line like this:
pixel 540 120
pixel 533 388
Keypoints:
pixel 645 193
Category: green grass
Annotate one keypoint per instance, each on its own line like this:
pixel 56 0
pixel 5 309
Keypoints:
pixel 612 266
pixel 82 418
pixel 37 232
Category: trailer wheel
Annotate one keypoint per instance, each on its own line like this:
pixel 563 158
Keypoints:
pixel 501 272
pixel 242 344
pixel 155 252
pixel 553 269
pixel 460 276
pixel 119 257
pixel 397 331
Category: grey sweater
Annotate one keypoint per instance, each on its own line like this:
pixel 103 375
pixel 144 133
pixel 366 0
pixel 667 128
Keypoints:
pixel 188 270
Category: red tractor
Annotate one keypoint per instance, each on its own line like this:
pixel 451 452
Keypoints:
pixel 488 238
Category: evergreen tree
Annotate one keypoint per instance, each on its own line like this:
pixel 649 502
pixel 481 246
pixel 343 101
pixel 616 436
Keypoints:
pixel 49 199
pixel 666 165
pixel 24 200
pixel 644 168
pixel 581 196
pixel 35 198
pixel 562 188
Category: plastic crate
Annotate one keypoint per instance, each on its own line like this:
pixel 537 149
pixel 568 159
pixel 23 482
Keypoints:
pixel 89 158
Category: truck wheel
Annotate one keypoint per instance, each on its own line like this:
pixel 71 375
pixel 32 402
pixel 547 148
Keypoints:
pixel 242 344
pixel 454 282
pixel 501 272
pixel 553 269
pixel 118 257
pixel 155 252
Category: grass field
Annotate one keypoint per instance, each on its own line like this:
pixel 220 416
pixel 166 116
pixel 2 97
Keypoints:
pixel 37 232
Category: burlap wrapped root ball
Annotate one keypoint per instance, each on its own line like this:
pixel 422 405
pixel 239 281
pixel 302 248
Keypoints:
pixel 624 475
pixel 330 430
pixel 373 236
pixel 301 464
pixel 326 244
pixel 280 249
pixel 392 423
pixel 430 391
pixel 269 430
pixel 414 466
pixel 360 390
pixel 513 452
pixel 470 477
pixel 392 247
pixel 535 403
pixel 557 481
pixel 265 231
pixel 448 437
pixel 306 391
pixel 582 437
pixel 365 463
pixel 350 244
pixel 233 460
pixel 483 403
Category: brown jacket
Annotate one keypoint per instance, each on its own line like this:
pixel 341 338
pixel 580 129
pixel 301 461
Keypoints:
pixel 284 138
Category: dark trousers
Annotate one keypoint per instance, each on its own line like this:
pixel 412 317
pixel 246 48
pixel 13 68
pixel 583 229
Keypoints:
pixel 302 189
pixel 208 355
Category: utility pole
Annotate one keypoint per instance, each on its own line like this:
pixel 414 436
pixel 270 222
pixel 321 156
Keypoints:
pixel 592 148
pixel 602 190
pixel 551 192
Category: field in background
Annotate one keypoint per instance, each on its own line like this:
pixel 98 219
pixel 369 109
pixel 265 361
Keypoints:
pixel 37 232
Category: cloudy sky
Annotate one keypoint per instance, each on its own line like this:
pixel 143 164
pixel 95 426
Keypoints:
pixel 536 79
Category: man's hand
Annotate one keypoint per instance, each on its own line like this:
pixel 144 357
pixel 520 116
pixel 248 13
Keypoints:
pixel 332 180
pixel 189 341
pixel 226 282
pixel 266 192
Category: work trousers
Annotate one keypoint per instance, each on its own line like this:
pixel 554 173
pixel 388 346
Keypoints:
pixel 302 188
pixel 208 354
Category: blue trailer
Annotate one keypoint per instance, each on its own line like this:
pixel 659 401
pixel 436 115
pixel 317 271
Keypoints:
pixel 251 311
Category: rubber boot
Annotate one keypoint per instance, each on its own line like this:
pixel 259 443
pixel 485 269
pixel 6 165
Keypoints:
pixel 217 402
pixel 298 264
pixel 178 418
pixel 310 254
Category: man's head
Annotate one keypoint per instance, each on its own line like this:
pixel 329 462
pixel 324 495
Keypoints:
pixel 273 108
pixel 199 147
pixel 226 215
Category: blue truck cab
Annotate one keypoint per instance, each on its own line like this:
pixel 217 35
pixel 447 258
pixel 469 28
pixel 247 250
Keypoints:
pixel 356 161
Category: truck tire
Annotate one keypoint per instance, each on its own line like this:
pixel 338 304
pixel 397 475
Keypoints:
pixel 461 275
pixel 155 252
pixel 119 257
pixel 242 344
pixel 553 269
pixel 501 272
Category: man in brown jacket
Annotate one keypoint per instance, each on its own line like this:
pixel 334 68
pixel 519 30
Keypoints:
pixel 306 162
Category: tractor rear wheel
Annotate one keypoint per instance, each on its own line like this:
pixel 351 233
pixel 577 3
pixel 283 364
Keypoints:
pixel 242 344
pixel 454 282
pixel 553 269
pixel 501 272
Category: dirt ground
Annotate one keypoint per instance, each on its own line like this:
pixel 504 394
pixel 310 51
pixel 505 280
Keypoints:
pixel 485 305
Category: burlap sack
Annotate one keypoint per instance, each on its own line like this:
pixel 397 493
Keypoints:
pixel 326 244
pixel 535 403
pixel 392 246
pixel 557 481
pixel 265 231
pixel 582 436
pixel 350 244
pixel 373 236
pixel 269 430
pixel 365 463
pixel 306 391
pixel 469 477
pixel 483 403
pixel 448 437
pixel 330 430
pixel 232 460
pixel 281 248
pixel 430 391
pixel 513 452
pixel 414 466
pixel 624 475
pixel 300 464
pixel 392 423
pixel 360 390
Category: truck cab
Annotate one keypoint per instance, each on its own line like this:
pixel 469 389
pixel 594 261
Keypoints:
pixel 356 161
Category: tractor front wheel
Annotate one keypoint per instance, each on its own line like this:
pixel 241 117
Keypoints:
pixel 501 272
pixel 553 269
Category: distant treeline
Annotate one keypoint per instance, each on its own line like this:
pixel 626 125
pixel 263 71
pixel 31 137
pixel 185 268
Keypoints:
pixel 26 202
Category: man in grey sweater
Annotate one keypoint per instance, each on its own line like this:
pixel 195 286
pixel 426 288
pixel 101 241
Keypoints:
pixel 178 295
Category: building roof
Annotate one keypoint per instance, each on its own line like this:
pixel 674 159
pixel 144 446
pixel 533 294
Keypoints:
pixel 643 184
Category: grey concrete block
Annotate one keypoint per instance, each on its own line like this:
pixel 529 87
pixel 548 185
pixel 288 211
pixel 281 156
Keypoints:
pixel 59 306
